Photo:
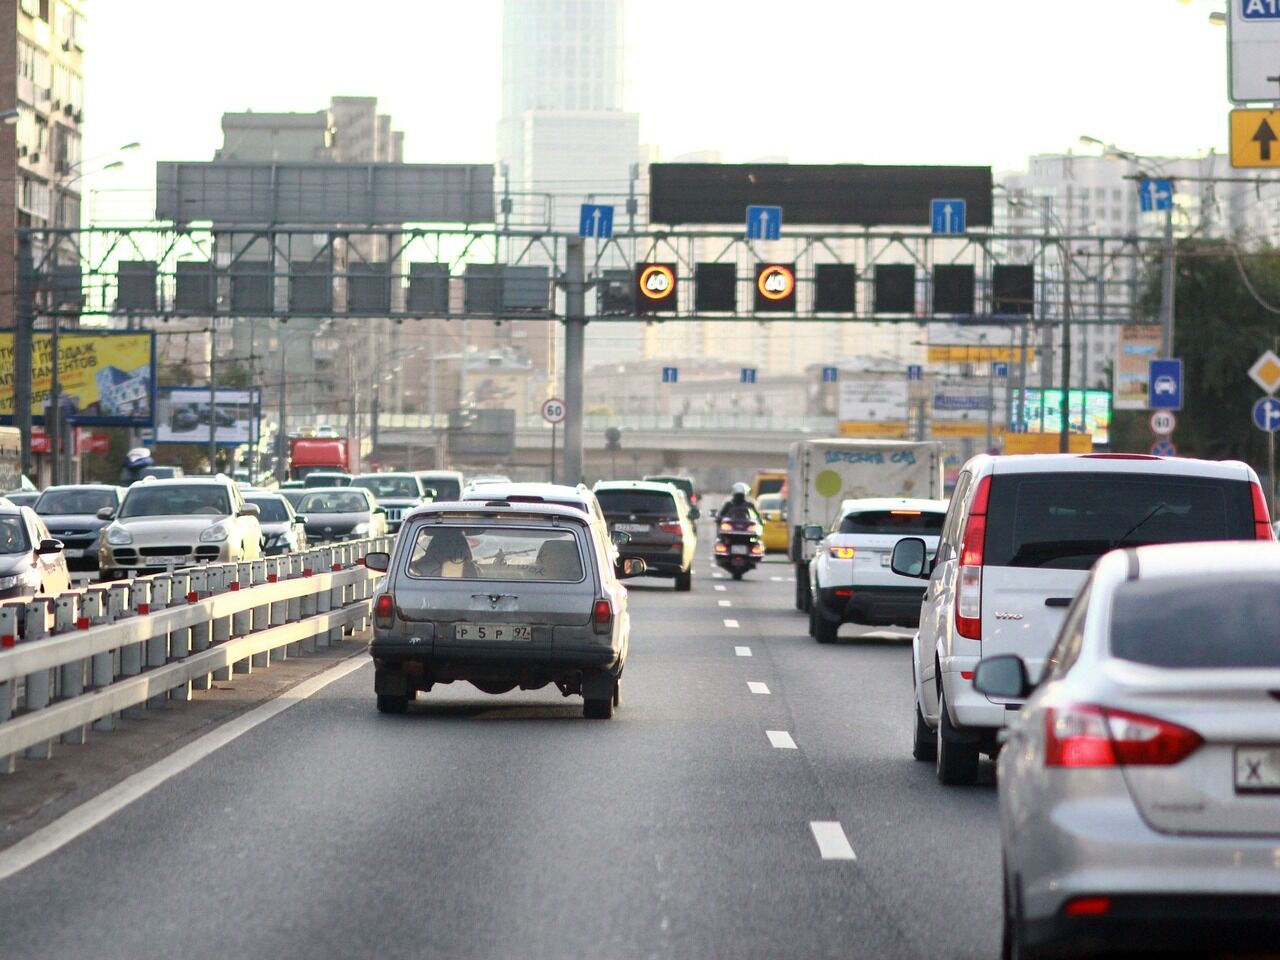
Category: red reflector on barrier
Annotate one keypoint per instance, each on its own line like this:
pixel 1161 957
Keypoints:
pixel 82 623
pixel 273 578
pixel 235 584
pixel 193 597
pixel 337 567
pixel 143 609
pixel 7 641
pixel 306 571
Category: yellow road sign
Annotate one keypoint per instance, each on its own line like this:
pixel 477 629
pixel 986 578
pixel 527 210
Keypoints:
pixel 1254 136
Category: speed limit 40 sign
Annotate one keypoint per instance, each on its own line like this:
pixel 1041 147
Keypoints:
pixel 553 410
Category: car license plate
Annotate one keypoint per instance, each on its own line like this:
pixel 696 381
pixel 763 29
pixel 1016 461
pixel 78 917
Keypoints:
pixel 162 561
pixel 738 548
pixel 632 527
pixel 498 632
pixel 73 553
pixel 1258 770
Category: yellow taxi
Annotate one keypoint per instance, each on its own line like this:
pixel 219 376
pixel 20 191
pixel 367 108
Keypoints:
pixel 773 511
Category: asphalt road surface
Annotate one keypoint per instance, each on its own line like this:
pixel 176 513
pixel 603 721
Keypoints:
pixel 754 796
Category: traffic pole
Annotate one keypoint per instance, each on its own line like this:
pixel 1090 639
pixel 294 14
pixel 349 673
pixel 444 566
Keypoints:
pixel 553 453
pixel 575 335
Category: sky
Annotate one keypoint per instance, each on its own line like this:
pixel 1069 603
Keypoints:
pixel 987 82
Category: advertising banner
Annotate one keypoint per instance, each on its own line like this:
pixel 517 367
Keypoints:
pixel 105 378
pixel 1090 412
pixel 1136 347
pixel 183 415
pixel 960 407
pixel 873 407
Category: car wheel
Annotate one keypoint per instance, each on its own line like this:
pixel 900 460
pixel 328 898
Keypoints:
pixel 824 631
pixel 391 703
pixel 1012 946
pixel 684 581
pixel 799 595
pixel 598 709
pixel 956 763
pixel 617 694
pixel 813 624
pixel 924 745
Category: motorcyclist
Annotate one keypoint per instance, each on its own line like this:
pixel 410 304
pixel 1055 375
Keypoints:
pixel 739 506
pixel 135 461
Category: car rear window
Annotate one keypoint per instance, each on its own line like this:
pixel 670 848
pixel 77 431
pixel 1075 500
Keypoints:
pixel 649 502
pixel 270 509
pixel 390 487
pixel 487 552
pixel 445 489
pixel 770 485
pixel 333 502
pixel 900 522
pixel 1194 621
pixel 1066 521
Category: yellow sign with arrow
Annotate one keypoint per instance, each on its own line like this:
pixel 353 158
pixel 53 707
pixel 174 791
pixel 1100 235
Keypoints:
pixel 1254 136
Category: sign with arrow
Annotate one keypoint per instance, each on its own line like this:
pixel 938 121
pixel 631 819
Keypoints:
pixel 947 217
pixel 1155 195
pixel 764 223
pixel 595 220
pixel 1253 138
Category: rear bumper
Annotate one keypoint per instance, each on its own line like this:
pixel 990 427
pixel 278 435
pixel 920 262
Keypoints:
pixel 870 605
pixel 402 666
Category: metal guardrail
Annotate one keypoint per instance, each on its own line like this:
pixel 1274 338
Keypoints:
pixel 84 656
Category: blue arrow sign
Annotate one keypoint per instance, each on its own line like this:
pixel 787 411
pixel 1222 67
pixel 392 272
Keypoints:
pixel 1164 385
pixel 748 375
pixel 947 216
pixel 830 375
pixel 1000 369
pixel 764 223
pixel 670 374
pixel 595 220
pixel 1155 195
pixel 1266 414
pixel 915 372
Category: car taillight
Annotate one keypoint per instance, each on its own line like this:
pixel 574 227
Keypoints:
pixel 842 553
pixel 969 583
pixel 673 527
pixel 1261 516
pixel 602 616
pixel 1087 907
pixel 384 610
pixel 1090 736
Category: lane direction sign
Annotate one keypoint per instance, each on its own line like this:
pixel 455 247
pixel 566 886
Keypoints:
pixel 748 375
pixel 1253 137
pixel 1164 385
pixel 1155 195
pixel 1163 423
pixel 595 220
pixel 830 375
pixel 1265 372
pixel 1000 369
pixel 764 223
pixel 670 374
pixel 915 372
pixel 1266 414
pixel 947 217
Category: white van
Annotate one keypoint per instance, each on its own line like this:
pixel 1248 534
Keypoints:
pixel 1020 536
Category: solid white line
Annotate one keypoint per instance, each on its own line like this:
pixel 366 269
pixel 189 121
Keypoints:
pixel 832 843
pixel 780 739
pixel 92 812
pixel 726 603
pixel 720 587
pixel 755 686
pixel 731 624
pixel 742 651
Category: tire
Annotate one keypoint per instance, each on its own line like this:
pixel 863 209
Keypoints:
pixel 1012 946
pixel 736 574
pixel 390 703
pixel 924 743
pixel 824 631
pixel 802 587
pixel 799 595
pixel 617 694
pixel 956 763
pixel 597 709
pixel 684 581
pixel 813 626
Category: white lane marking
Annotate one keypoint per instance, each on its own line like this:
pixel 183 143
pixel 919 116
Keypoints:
pixel 832 843
pixel 726 603
pixel 721 587
pixel 742 651
pixel 755 686
pixel 776 579
pixel 89 814
pixel 731 624
pixel 780 739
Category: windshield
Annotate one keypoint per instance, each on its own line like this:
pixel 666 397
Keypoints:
pixel 176 501
pixel 13 536
pixel 1191 621
pixel 648 502
pixel 389 486
pixel 336 501
pixel 902 523
pixel 770 484
pixel 446 488
pixel 1067 521
pixel 271 509
pixel 496 553
pixel 64 502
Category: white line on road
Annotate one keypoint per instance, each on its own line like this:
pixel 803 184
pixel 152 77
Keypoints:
pixel 721 587
pixel 776 579
pixel 726 603
pixel 780 739
pixel 731 624
pixel 89 814
pixel 755 686
pixel 742 651
pixel 832 843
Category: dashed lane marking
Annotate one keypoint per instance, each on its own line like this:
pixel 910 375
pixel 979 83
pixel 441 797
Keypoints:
pixel 742 651
pixel 731 624
pixel 726 603
pixel 832 843
pixel 755 686
pixel 721 587
pixel 780 739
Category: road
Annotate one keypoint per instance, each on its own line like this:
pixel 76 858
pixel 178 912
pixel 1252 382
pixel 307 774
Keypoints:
pixel 502 827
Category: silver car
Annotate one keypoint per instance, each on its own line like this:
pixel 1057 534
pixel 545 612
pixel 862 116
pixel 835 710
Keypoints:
pixel 501 595
pixel 283 531
pixel 1140 784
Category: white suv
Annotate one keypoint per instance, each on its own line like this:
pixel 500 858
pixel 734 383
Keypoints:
pixel 1019 538
pixel 849 578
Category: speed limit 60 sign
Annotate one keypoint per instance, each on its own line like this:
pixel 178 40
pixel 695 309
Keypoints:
pixel 1163 422
pixel 553 410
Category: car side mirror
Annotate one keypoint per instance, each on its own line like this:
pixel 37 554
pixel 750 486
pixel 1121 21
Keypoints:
pixel 631 567
pixel 910 558
pixel 379 510
pixel 249 510
pixel 619 537
pixel 49 546
pixel 1004 677
pixel 299 518
pixel 377 560
pixel 814 533
pixel 694 513
pixel 106 513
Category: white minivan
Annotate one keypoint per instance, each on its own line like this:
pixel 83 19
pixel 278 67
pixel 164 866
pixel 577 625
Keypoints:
pixel 1020 536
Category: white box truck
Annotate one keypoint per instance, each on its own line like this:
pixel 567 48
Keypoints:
pixel 823 473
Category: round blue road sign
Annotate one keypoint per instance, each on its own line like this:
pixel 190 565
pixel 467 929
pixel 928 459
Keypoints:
pixel 1266 414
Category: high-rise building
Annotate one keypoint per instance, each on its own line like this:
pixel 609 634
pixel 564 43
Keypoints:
pixel 42 57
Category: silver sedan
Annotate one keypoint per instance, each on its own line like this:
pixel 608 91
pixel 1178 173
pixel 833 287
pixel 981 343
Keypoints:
pixel 1140 785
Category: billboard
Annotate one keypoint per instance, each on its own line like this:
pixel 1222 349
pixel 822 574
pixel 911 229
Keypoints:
pixel 105 378
pixel 1136 347
pixel 873 407
pixel 1090 412
pixel 183 416
pixel 960 406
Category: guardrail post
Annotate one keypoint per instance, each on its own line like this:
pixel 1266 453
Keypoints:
pixel 220 627
pixel 323 597
pixel 133 655
pixel 338 600
pixel 8 689
pixel 242 620
pixel 39 684
pixel 188 587
pixel 157 645
pixel 258 615
pixel 304 606
pixel 290 568
pixel 95 608
pixel 66 611
pixel 277 611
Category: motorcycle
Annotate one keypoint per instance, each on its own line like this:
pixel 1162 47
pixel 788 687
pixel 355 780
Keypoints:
pixel 738 546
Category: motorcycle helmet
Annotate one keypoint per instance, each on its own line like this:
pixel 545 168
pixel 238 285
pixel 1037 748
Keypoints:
pixel 740 492
pixel 139 457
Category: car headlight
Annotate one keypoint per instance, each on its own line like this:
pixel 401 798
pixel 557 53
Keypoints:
pixel 360 529
pixel 118 536
pixel 215 534
pixel 7 582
